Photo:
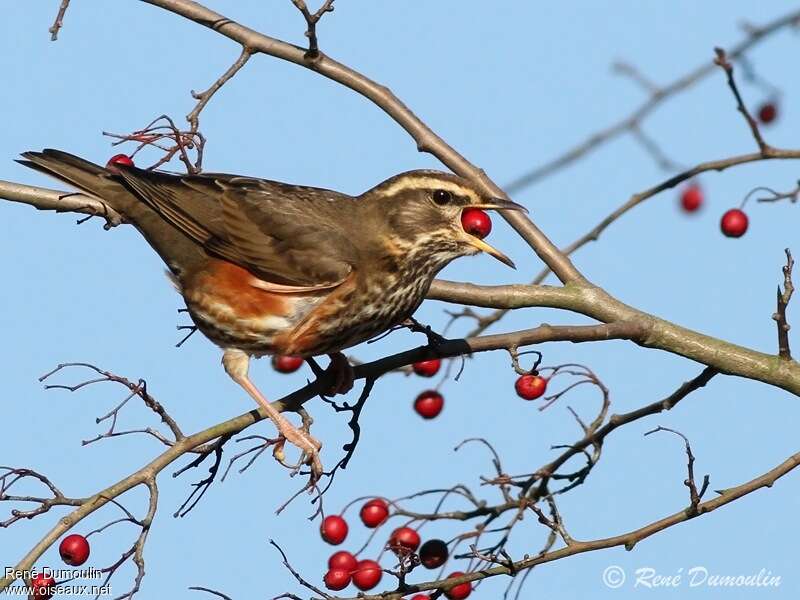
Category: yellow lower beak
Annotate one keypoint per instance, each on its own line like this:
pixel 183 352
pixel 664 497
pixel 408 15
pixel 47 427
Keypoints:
pixel 484 247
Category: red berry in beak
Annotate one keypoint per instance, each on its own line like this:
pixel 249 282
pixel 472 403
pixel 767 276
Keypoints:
pixel 734 223
pixel 476 222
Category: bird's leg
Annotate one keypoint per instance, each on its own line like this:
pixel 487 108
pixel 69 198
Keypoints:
pixel 342 373
pixel 236 365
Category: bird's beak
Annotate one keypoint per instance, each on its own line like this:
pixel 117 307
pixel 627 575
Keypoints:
pixel 495 204
pixel 484 247
pixel 500 204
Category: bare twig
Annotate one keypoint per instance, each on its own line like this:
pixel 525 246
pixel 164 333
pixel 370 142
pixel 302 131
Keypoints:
pixel 783 301
pixel 59 22
pixel 722 61
pixel 204 97
pixel 694 495
pixel 311 22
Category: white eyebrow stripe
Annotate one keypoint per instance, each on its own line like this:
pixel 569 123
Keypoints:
pixel 422 182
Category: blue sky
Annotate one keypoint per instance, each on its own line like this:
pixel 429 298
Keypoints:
pixel 510 89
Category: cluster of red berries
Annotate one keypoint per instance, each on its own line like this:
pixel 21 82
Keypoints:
pixel 74 550
pixel 733 223
pixel 344 568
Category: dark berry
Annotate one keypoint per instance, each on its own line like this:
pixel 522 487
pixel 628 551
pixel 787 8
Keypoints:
pixel 433 554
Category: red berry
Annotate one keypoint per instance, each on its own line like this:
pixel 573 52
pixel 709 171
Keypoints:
pixel 476 222
pixel 120 159
pixel 433 554
pixel 337 579
pixel 404 540
pixel 374 512
pixel 333 529
pixel 429 404
pixel 692 198
pixel 420 597
pixel 530 387
pixel 286 364
pixel 343 560
pixel 42 586
pixel 460 591
pixel 427 368
pixel 734 223
pixel 367 575
pixel 767 113
pixel 74 549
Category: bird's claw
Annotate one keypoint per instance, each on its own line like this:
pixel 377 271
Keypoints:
pixel 342 373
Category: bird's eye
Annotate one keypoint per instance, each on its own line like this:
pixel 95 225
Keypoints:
pixel 442 197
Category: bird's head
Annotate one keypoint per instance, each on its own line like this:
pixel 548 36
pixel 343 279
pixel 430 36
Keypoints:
pixel 423 210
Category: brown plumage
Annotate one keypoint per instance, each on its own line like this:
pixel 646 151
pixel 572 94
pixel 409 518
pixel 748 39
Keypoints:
pixel 271 268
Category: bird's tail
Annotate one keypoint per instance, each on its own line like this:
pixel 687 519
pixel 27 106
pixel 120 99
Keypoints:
pixel 178 251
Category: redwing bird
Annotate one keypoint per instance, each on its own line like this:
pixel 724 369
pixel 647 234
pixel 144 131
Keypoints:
pixel 271 268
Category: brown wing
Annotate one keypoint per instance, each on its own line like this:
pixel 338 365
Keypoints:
pixel 289 236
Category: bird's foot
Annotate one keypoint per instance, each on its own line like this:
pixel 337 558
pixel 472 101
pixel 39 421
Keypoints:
pixel 342 373
pixel 308 445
